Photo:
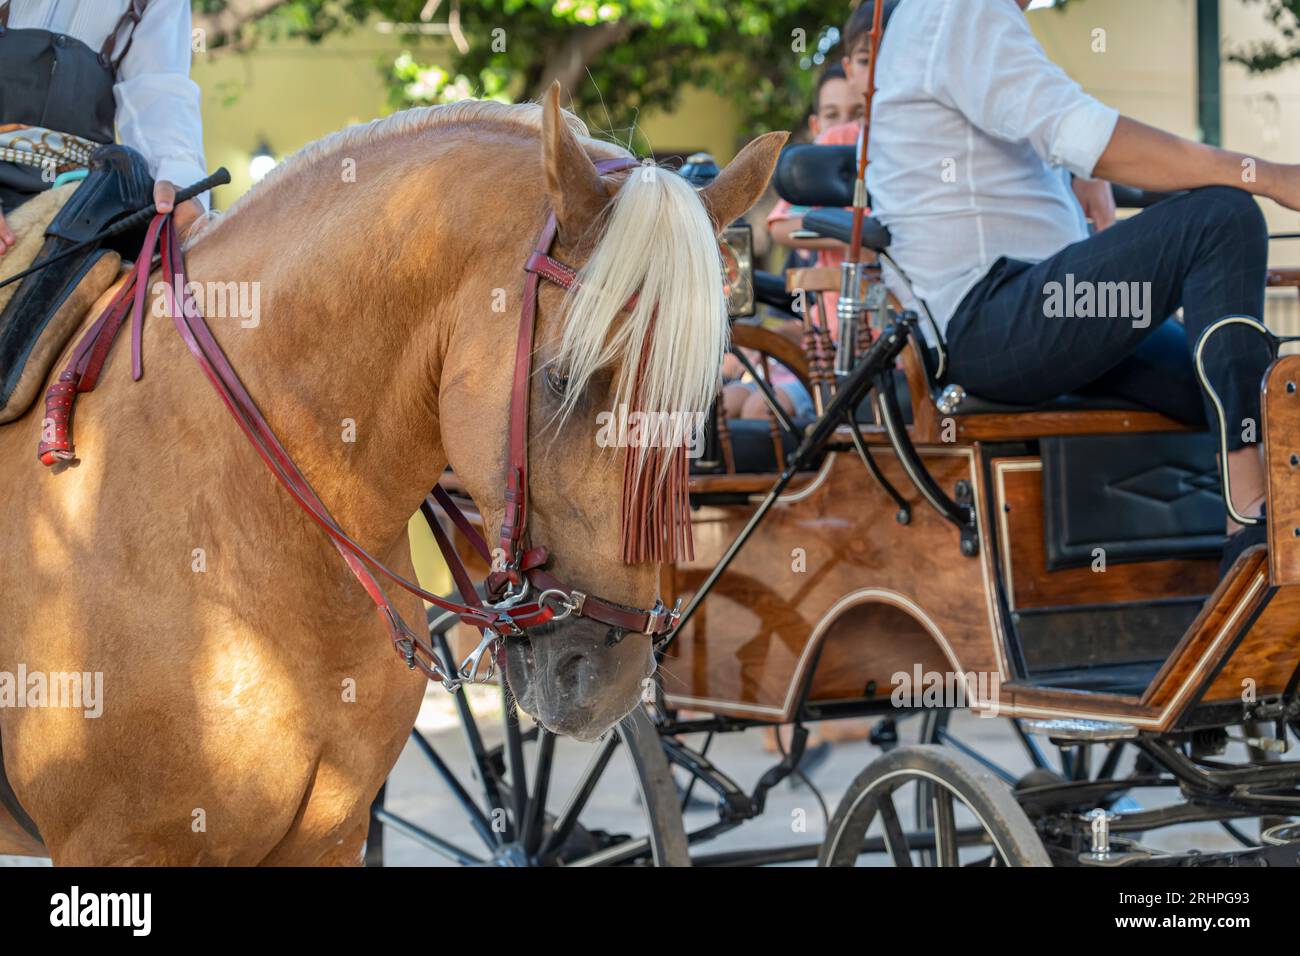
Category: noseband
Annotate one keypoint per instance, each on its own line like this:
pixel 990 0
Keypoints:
pixel 519 596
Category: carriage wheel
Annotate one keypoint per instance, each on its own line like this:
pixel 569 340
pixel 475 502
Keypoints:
pixel 975 818
pixel 524 825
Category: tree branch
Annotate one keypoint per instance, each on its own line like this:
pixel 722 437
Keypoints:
pixel 569 63
pixel 225 25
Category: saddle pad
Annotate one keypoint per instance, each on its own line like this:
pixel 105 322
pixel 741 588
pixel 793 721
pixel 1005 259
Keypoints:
pixel 24 381
pixel 29 222
pixel 1136 497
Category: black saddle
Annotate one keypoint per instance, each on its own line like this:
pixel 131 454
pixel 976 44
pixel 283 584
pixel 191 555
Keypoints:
pixel 117 185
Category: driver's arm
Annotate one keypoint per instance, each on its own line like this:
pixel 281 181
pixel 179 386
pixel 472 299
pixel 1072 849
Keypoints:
pixel 1149 158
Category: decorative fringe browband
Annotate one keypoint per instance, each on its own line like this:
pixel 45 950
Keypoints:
pixel 656 518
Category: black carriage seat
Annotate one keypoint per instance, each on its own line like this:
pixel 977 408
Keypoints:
pixel 752 449
pixel 838 224
pixel 808 174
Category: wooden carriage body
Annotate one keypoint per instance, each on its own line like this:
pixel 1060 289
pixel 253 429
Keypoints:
pixel 835 601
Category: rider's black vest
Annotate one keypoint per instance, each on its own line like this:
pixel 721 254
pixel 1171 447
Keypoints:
pixel 57 82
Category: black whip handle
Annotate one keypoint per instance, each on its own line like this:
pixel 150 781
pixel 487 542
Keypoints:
pixel 136 219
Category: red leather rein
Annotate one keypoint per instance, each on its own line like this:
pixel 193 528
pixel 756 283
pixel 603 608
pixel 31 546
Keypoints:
pixel 520 596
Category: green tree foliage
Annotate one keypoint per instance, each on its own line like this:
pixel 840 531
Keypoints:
pixel 1265 55
pixel 614 58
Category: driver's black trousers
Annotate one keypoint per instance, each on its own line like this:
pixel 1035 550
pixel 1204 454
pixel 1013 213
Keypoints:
pixel 1096 318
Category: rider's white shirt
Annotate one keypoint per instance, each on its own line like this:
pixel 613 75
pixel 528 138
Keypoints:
pixel 157 102
pixel 975 133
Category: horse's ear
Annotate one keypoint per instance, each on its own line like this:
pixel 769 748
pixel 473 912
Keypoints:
pixel 573 186
pixel 737 188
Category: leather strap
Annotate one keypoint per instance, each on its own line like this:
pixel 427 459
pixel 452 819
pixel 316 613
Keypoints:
pixel 516 495
pixel 129 21
pixel 539 265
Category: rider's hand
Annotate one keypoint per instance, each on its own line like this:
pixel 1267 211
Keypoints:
pixel 187 213
pixel 1097 200
pixel 7 237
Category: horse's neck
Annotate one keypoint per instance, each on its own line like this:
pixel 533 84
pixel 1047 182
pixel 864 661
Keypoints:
pixel 339 365
pixel 379 323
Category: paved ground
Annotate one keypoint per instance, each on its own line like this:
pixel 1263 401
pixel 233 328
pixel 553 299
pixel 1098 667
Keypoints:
pixel 417 793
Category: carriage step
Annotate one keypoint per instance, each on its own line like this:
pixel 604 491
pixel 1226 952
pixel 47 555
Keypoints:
pixel 1089 730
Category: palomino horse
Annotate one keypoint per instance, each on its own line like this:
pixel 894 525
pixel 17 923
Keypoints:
pixel 252 704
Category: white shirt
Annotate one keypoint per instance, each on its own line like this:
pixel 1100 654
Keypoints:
pixel 974 133
pixel 157 102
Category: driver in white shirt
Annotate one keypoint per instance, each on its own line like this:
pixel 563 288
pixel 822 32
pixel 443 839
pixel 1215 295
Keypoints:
pixel 985 158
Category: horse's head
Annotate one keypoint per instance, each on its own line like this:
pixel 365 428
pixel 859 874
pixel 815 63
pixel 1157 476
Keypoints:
pixel 629 356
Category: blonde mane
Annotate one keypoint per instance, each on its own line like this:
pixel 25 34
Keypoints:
pixel 659 247
pixel 405 123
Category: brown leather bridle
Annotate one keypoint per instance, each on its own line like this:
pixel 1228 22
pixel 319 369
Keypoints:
pixel 519 596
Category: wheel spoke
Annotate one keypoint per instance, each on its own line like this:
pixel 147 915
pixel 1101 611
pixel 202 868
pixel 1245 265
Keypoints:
pixel 474 743
pixel 568 816
pixel 1007 776
pixel 535 812
pixel 1035 752
pixel 925 817
pixel 476 817
pixel 945 827
pixel 895 838
pixel 514 753
pixel 1111 761
pixel 375 834
pixel 422 836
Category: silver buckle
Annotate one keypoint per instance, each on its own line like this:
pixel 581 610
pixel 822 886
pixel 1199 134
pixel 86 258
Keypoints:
pixel 659 612
pixel 571 603
pixel 511 597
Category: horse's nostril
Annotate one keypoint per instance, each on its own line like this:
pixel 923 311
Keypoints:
pixel 572 669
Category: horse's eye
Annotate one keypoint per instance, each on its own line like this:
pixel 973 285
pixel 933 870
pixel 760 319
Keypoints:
pixel 557 383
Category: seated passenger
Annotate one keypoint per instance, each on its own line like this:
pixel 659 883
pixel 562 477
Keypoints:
pixel 835 119
pixel 835 103
pixel 976 133
pixel 785 220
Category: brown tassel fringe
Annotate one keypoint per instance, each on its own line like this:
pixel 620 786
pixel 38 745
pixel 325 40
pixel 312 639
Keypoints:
pixel 656 507
pixel 656 520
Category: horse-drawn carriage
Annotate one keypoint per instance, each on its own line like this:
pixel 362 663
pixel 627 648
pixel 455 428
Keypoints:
pixel 1054 566
pixel 915 549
